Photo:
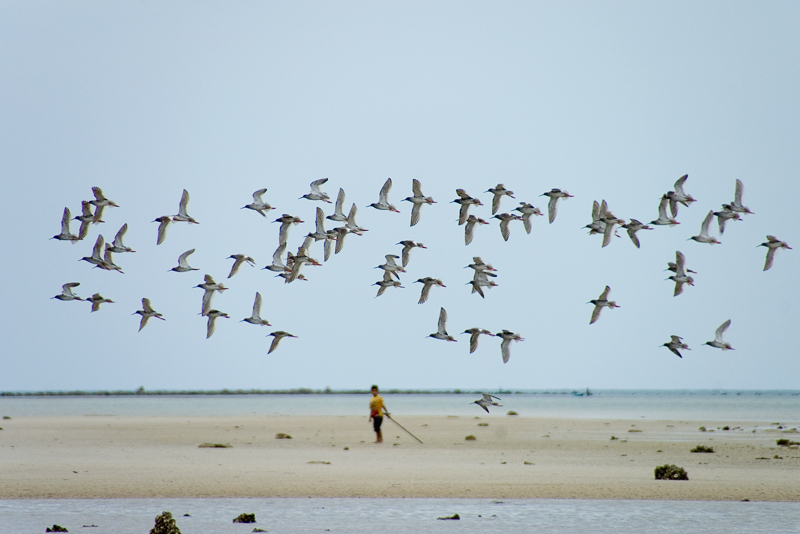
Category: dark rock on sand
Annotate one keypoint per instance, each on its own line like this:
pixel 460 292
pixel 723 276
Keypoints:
pixel 454 516
pixel 245 518
pixel 165 524
pixel 671 472
pixel 56 528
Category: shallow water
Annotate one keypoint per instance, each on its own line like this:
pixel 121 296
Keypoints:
pixel 767 406
pixel 137 516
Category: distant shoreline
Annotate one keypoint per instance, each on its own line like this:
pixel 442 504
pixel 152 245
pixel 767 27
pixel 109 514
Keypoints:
pixel 328 391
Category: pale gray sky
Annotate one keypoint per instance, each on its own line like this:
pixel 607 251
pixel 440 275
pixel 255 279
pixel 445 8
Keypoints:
pixel 611 101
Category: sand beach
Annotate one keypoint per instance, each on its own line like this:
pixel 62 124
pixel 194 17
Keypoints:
pixel 333 456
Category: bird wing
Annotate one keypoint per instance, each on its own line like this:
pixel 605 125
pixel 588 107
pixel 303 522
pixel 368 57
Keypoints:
pixel 182 262
pixel 634 237
pixel 608 232
pixel 739 191
pixel 416 187
pixel 340 239
pixel 463 213
pixel 415 213
pixel 98 193
pixel 328 248
pixel 96 301
pixel 65 219
pixel 120 235
pixel 604 294
pixel 212 324
pixel 704 228
pixel 721 330
pixel 274 344
pixel 236 265
pixel 406 255
pixel 473 341
pixel 680 261
pixel 143 322
pixel 208 296
pixel 476 288
pixel 496 202
pixel 338 207
pixel 442 322
pixel 526 221
pixel 678 288
pixel 675 339
pixel 673 207
pixel 552 209
pixel 351 217
pixel 98 214
pixel 384 194
pixel 505 349
pixel 504 230
pixel 426 289
pixel 320 221
pixel 162 230
pixel 596 313
pixel 662 207
pixel 770 257
pixel 595 211
pixel 315 185
pixel 276 256
pixel 146 306
pixel 257 196
pixel 184 204
pixel 679 185
pixel 98 247
pixel 257 306
pixel 463 194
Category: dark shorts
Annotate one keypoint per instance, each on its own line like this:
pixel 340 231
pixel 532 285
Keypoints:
pixel 376 422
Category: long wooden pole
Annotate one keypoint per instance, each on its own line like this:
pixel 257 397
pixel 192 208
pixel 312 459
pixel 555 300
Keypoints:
pixel 404 428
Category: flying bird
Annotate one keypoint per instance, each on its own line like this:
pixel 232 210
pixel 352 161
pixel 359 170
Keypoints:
pixel 600 303
pixel 338 213
pixel 146 312
pixel 499 192
pixel 258 203
pixel 256 317
pixel 663 220
pixel 773 244
pixel 212 321
pixel 164 222
pixel 633 227
pixel 527 210
pixel 66 292
pixel 469 228
pixel 316 193
pixel 118 245
pixel 66 234
pixel 407 246
pixel 737 205
pixel 474 334
pixel 486 401
pixel 465 201
pixel 552 205
pixel 427 284
pixel 679 196
pixel 676 343
pixel 183 215
pixel 680 277
pixel 418 200
pixel 505 346
pixel 97 299
pixel 505 219
pixel 278 335
pixel 240 259
pixel 441 332
pixel 704 237
pixel 183 263
pixel 718 342
pixel 383 198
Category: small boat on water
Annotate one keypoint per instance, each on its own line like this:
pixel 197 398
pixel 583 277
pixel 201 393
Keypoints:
pixel 586 393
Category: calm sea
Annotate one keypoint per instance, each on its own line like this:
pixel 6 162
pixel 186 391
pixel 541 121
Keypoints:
pixel 764 406
pixel 375 516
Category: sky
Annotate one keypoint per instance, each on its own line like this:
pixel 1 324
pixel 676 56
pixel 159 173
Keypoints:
pixel 611 100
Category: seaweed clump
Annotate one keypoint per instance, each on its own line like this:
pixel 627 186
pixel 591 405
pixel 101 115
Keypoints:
pixel 245 518
pixel 671 472
pixel 470 438
pixel 281 435
pixel 56 528
pixel 165 524
pixel 702 448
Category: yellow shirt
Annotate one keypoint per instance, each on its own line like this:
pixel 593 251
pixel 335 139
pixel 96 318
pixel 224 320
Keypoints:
pixel 376 405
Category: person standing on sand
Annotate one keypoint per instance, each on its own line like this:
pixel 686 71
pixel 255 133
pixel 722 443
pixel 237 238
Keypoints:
pixel 376 411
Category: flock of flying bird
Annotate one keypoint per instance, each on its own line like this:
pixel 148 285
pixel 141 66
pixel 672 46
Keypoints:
pixel 603 223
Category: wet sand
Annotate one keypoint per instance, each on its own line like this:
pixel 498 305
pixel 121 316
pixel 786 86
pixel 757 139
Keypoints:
pixel 511 457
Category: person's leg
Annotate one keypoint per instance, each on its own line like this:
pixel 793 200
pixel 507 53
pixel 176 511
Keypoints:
pixel 376 424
